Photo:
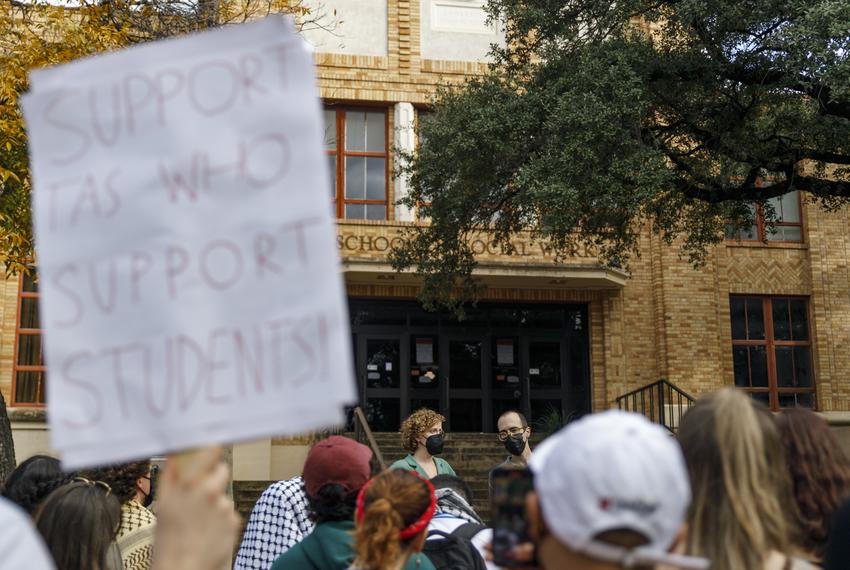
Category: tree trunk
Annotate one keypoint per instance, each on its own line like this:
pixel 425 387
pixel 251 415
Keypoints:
pixel 7 444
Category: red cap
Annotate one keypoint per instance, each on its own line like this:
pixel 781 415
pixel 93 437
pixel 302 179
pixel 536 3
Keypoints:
pixel 339 460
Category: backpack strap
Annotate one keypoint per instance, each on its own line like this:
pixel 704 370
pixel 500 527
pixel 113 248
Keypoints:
pixel 468 530
pixel 438 533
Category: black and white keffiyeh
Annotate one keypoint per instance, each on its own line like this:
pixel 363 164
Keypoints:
pixel 278 522
pixel 451 503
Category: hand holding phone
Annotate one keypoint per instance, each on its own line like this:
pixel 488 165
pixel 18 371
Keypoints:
pixel 511 538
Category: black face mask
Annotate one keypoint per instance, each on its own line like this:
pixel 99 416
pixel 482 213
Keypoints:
pixel 515 444
pixel 434 444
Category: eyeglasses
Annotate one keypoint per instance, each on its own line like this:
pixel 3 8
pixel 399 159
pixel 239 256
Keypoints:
pixel 510 432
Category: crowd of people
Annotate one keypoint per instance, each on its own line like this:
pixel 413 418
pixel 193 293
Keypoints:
pixel 738 488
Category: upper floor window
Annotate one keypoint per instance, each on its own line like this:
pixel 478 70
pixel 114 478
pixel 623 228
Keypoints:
pixel 772 350
pixel 28 367
pixel 788 226
pixel 356 147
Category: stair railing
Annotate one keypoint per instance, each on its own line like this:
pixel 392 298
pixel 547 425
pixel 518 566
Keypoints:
pixel 362 427
pixel 661 402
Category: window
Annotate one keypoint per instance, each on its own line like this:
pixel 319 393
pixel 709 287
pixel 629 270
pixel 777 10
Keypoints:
pixel 788 226
pixel 28 367
pixel 772 350
pixel 356 147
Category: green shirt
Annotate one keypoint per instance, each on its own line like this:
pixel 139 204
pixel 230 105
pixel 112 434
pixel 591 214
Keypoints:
pixel 409 463
pixel 331 547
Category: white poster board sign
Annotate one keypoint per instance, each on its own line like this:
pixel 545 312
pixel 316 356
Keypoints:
pixel 189 275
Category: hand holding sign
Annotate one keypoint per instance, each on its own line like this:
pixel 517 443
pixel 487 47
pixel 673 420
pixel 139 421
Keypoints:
pixel 189 272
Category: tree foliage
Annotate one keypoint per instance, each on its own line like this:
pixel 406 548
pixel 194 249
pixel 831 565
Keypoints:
pixel 599 118
pixel 36 34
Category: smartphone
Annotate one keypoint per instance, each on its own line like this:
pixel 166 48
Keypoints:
pixel 510 520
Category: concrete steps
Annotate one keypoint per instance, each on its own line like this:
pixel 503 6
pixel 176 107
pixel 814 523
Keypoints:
pixel 471 455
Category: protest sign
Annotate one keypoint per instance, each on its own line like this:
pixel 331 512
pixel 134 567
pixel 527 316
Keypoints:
pixel 189 276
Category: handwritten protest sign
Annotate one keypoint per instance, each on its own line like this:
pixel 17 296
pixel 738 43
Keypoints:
pixel 190 290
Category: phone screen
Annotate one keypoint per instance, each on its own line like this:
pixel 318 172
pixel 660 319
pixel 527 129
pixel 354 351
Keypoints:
pixel 510 523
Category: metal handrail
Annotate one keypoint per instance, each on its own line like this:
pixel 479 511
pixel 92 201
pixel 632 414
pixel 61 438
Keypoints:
pixel 363 425
pixel 661 402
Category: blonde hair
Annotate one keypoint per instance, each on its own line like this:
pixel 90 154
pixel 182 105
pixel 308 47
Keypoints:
pixel 740 486
pixel 393 501
pixel 415 425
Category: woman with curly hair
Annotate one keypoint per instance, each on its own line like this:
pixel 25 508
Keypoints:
pixel 131 485
pixel 422 437
pixel 392 516
pixel 33 480
pixel 820 475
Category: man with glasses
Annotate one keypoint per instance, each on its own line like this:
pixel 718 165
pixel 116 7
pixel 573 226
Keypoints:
pixel 515 434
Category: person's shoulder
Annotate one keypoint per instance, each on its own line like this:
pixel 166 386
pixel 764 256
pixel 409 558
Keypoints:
pixel 20 543
pixel 403 463
pixel 285 488
pixel 443 467
pixel 292 558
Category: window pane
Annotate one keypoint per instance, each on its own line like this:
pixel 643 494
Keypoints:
pixel 806 400
pixel 367 313
pixel 799 320
pixel 748 233
pixel 376 180
pixel 785 233
pixel 792 400
pixel 465 364
pixel 29 388
pixel 29 349
pixel 332 172
pixel 789 208
pixel 383 414
pixel 803 366
pixel 758 366
pixel 544 363
pixel 355 130
pixel 364 131
pixel 382 363
pixel 30 284
pixel 739 318
pixel 355 212
pixel 741 365
pixel 424 356
pixel 29 313
pixel 430 403
pixel 781 320
pixel 784 367
pixel 762 397
pixel 329 116
pixel 465 415
pixel 755 319
pixel 546 415
pixel 376 212
pixel 375 132
pixel 355 177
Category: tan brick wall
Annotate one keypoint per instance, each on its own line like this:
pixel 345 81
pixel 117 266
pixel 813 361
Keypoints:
pixel 8 318
pixel 670 320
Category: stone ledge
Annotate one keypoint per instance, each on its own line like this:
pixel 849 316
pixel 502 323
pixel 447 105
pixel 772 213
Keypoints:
pixel 836 418
pixel 28 415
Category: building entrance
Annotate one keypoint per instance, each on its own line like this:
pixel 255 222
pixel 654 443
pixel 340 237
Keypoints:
pixel 534 358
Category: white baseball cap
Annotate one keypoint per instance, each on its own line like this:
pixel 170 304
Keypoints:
pixel 610 471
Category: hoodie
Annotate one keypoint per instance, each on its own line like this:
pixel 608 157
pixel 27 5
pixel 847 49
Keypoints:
pixel 331 547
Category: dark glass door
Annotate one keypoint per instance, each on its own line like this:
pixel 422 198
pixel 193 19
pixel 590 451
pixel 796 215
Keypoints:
pixel 465 379
pixel 379 374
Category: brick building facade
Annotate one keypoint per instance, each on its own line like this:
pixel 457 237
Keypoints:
pixel 771 316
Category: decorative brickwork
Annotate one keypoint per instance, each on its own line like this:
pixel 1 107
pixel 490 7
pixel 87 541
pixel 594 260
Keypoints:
pixel 666 320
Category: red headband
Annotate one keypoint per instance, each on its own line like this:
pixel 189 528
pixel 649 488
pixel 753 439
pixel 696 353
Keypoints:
pixel 415 528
